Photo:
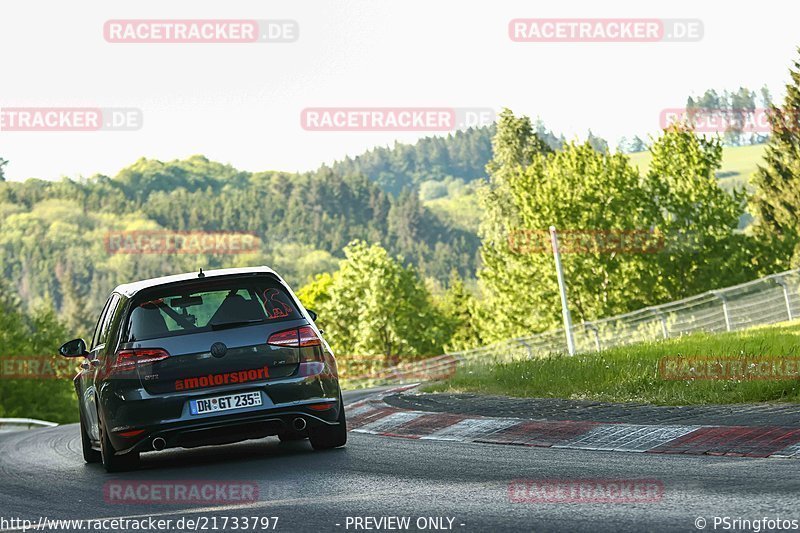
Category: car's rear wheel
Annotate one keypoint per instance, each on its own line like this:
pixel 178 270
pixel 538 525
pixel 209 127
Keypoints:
pixel 327 437
pixel 112 462
pixel 90 455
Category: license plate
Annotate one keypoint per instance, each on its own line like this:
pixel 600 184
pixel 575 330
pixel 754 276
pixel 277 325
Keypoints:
pixel 225 403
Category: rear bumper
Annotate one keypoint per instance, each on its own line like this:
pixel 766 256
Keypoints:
pixel 226 429
pixel 168 416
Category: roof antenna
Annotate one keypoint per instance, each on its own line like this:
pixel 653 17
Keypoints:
pixel 200 274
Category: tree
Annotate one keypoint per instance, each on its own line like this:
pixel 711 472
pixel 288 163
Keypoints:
pixel 577 189
pixel 3 163
pixel 29 338
pixel 697 218
pixel 710 101
pixel 631 146
pixel 735 109
pixel 598 143
pixel 462 154
pixel 687 221
pixel 776 201
pixel 461 309
pixel 766 97
pixel 375 306
pixel 316 295
pixel 637 145
pixel 548 136
pixel 741 107
pixel 516 148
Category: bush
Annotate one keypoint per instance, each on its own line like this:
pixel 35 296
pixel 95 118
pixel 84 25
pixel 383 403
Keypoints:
pixel 28 336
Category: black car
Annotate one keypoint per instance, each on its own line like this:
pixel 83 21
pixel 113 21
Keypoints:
pixel 201 359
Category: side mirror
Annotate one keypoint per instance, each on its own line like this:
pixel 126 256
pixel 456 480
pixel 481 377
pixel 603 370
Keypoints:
pixel 313 314
pixel 73 348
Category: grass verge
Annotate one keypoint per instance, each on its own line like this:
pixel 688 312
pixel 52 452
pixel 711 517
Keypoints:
pixel 631 373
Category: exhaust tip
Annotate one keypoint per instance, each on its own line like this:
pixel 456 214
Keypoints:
pixel 299 424
pixel 159 444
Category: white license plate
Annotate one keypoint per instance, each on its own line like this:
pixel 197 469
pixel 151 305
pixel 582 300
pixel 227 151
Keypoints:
pixel 225 403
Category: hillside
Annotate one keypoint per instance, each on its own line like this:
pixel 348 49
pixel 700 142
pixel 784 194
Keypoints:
pixel 461 155
pixel 53 234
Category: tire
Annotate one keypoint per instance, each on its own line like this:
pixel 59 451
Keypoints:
pixel 90 455
pixel 327 437
pixel 115 463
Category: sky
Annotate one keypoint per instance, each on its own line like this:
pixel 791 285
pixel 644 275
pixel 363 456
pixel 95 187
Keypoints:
pixel 241 103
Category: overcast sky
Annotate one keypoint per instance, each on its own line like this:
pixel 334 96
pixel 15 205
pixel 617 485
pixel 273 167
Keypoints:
pixel 241 103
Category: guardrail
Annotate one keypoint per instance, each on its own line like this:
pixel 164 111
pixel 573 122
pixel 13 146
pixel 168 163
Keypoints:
pixel 16 424
pixel 438 367
pixel 768 300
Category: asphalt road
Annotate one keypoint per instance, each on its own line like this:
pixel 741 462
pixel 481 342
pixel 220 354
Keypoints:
pixel 42 474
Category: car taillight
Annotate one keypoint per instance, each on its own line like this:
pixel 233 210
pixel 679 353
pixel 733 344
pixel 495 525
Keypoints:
pixel 311 353
pixel 308 337
pixel 295 338
pixel 322 406
pixel 129 359
pixel 133 433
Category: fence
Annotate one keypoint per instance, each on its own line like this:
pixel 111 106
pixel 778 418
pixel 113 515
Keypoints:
pixel 768 300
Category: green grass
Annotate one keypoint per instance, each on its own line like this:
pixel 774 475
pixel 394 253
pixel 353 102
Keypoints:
pixel 630 373
pixel 738 164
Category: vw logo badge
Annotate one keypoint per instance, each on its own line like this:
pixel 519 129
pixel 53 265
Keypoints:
pixel 218 349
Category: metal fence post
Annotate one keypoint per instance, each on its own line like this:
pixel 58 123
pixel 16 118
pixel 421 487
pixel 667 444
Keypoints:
pixel 563 290
pixel 725 311
pixel 592 327
pixel 785 287
pixel 663 321
pixel 527 347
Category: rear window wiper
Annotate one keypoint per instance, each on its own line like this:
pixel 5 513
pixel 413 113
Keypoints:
pixel 223 325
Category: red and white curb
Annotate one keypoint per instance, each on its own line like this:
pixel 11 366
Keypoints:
pixel 375 417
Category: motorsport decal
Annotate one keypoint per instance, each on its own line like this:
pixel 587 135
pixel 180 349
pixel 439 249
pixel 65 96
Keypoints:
pixel 211 380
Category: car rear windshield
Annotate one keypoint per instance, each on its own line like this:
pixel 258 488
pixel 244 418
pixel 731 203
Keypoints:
pixel 206 306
